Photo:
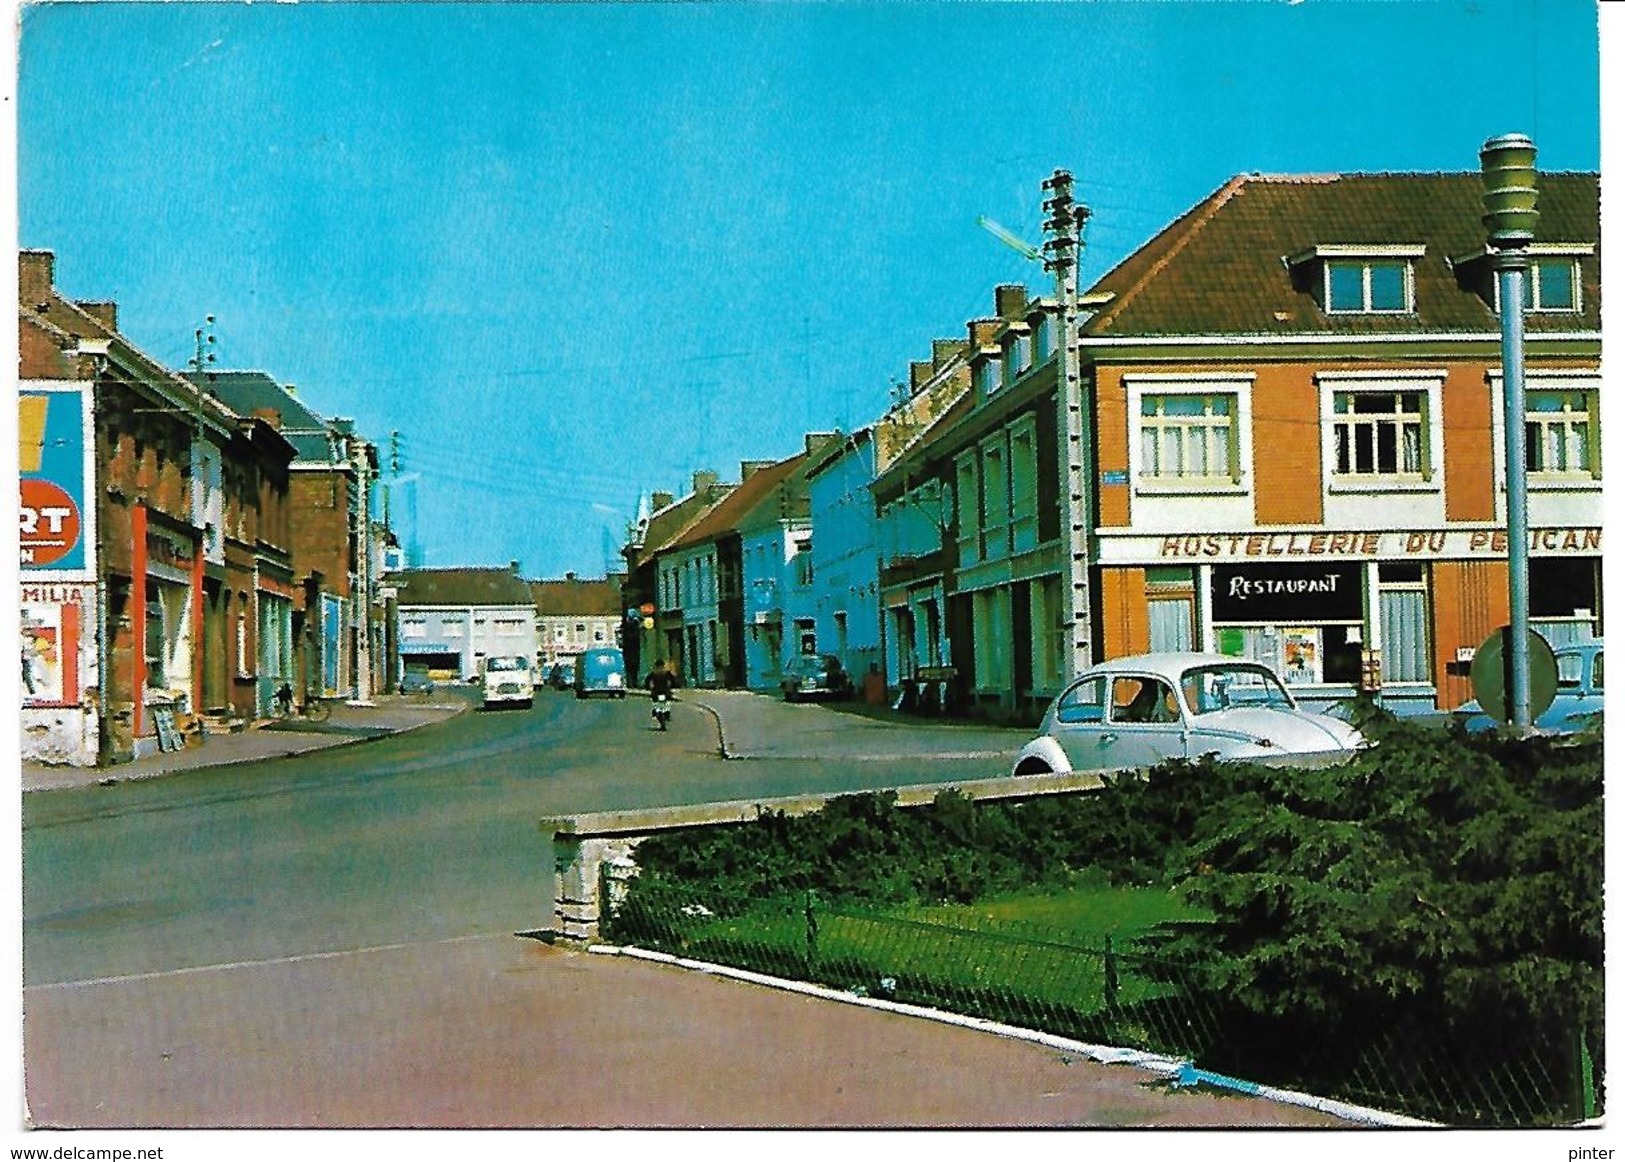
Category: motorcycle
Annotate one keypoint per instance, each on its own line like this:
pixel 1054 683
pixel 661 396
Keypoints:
pixel 660 709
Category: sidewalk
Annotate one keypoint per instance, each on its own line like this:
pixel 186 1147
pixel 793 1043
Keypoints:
pixel 765 726
pixel 388 714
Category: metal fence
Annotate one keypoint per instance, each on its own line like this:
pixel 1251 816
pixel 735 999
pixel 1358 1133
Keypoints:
pixel 1097 990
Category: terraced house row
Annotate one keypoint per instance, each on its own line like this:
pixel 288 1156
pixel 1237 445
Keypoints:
pixel 190 541
pixel 1293 397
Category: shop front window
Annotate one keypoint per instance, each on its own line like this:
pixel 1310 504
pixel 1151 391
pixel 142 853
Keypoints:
pixel 154 646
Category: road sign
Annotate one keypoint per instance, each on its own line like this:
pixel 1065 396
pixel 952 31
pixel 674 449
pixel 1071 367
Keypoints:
pixel 1492 675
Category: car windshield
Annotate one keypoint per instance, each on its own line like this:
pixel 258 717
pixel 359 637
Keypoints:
pixel 497 665
pixel 1211 688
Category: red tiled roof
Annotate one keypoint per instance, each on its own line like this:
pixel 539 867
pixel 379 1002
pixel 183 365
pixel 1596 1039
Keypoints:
pixel 566 597
pixel 1219 270
pixel 739 504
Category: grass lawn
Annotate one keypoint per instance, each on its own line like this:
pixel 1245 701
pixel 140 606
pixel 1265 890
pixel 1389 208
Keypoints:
pixel 1089 912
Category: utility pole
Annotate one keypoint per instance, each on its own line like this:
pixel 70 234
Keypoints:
pixel 362 598
pixel 1063 246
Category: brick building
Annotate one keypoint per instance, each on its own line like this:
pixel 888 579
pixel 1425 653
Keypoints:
pixel 157 580
pixel 336 637
pixel 1295 395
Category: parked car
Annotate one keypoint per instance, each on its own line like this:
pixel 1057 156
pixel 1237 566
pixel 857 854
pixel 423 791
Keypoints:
pixel 1577 704
pixel 417 682
pixel 816 676
pixel 601 671
pixel 562 676
pixel 1139 711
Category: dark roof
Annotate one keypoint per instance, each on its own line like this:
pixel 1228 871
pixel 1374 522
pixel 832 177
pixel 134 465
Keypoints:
pixel 462 587
pixel 761 487
pixel 247 392
pixel 1219 270
pixel 669 523
pixel 572 597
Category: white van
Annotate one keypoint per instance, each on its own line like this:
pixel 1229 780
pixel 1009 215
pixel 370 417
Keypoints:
pixel 506 681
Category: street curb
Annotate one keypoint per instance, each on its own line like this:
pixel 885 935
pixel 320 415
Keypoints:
pixel 722 734
pixel 112 780
pixel 1173 1069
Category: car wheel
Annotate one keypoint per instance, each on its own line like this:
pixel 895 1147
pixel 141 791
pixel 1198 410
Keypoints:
pixel 1031 766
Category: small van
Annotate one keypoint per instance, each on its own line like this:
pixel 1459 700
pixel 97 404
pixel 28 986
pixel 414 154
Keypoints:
pixel 506 681
pixel 601 671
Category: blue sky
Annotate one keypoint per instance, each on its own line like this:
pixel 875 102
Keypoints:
pixel 573 253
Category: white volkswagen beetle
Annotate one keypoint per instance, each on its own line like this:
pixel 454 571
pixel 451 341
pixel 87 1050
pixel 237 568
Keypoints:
pixel 1140 711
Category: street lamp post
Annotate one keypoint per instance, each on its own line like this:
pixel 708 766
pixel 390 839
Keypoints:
pixel 1508 168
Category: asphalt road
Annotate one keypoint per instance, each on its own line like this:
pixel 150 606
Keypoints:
pixel 329 940
pixel 423 836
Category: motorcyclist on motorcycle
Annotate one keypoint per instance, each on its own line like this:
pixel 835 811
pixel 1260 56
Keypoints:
pixel 660 683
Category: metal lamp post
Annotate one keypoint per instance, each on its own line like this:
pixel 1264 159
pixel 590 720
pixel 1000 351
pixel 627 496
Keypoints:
pixel 1508 168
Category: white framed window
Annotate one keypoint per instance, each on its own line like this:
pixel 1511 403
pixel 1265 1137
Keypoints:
pixel 1018 352
pixel 1380 430
pixel 1190 434
pixel 1379 433
pixel 1560 433
pixel 988 376
pixel 1044 337
pixel 1023 485
pixel 1551 284
pixel 995 498
pixel 1562 428
pixel 1369 286
pixel 414 627
pixel 969 508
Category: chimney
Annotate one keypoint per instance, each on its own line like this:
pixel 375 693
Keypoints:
pixel 36 274
pixel 1010 300
pixel 982 332
pixel 569 576
pixel 919 374
pixel 943 350
pixel 270 416
pixel 749 468
pixel 704 479
pixel 104 313
pixel 513 567
pixel 660 500
pixel 816 440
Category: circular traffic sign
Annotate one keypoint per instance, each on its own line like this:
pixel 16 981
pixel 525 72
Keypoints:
pixel 1492 675
pixel 48 523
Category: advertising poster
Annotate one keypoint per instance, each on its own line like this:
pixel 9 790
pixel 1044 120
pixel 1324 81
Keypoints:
pixel 42 653
pixel 54 533
pixel 52 617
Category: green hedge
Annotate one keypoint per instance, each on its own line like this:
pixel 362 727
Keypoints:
pixel 1445 889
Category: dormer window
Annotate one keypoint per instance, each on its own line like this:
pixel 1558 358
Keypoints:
pixel 1018 356
pixel 988 372
pixel 1359 280
pixel 1551 284
pixel 1044 337
pixel 1369 287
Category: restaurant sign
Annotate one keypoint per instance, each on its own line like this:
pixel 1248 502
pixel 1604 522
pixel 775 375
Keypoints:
pixel 1277 593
